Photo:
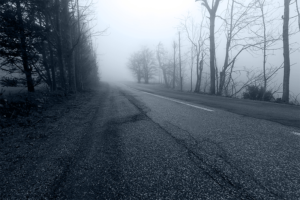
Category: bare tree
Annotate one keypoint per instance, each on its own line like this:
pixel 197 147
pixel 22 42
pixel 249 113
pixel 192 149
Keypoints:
pixel 169 70
pixel 212 16
pixel 148 63
pixel 24 55
pixel 179 56
pixel 265 36
pixel 298 12
pixel 261 7
pixel 163 63
pixel 286 51
pixel 206 81
pixel 78 68
pixel 197 36
pixel 174 63
pixel 199 72
pixel 45 60
pixel 236 20
pixel 135 65
pixel 69 53
pixel 192 65
pixel 61 63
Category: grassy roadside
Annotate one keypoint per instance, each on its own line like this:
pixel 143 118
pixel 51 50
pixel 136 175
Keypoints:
pixel 21 108
pixel 35 148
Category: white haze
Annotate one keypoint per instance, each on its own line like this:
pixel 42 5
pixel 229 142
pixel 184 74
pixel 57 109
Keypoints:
pixel 136 23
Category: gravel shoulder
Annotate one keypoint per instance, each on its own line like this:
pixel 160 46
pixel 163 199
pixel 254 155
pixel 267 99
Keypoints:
pixel 34 158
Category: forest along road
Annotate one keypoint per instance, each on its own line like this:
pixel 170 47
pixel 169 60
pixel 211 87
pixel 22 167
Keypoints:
pixel 124 143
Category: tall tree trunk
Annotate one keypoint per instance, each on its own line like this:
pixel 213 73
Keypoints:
pixel 223 72
pixel 161 65
pixel 53 77
pixel 200 73
pixel 146 78
pixel 228 44
pixel 212 53
pixel 77 70
pixel 212 16
pixel 264 53
pixel 197 87
pixel 59 48
pixel 217 75
pixel 45 61
pixel 298 12
pixel 286 52
pixel 52 67
pixel 69 51
pixel 180 64
pixel 192 64
pixel 146 73
pixel 139 74
pixel 165 77
pixel 230 78
pixel 174 48
pixel 191 79
pixel 78 54
pixel 27 69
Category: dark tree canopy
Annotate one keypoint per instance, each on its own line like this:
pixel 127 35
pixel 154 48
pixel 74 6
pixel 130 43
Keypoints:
pixel 31 36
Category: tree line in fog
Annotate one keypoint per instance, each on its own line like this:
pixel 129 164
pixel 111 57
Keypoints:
pixel 47 41
pixel 247 26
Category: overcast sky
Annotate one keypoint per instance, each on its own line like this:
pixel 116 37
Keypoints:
pixel 136 23
pixel 133 24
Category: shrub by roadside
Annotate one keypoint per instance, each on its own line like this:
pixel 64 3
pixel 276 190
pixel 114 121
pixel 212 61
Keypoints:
pixel 17 109
pixel 254 92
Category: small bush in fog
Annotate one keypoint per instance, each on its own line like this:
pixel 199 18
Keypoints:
pixel 254 92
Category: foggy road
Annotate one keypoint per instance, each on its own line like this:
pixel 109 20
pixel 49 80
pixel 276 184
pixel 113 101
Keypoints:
pixel 71 127
pixel 131 144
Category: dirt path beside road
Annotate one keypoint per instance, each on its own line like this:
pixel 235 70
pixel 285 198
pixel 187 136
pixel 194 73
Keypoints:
pixel 34 160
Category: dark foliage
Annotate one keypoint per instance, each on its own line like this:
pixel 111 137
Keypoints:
pixel 254 92
pixel 22 107
pixel 9 82
pixel 29 44
pixel 10 28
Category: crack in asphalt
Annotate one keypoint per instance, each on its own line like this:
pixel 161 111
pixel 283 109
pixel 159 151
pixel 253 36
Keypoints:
pixel 225 158
pixel 211 170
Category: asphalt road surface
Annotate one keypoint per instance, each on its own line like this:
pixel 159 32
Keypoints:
pixel 288 115
pixel 141 142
